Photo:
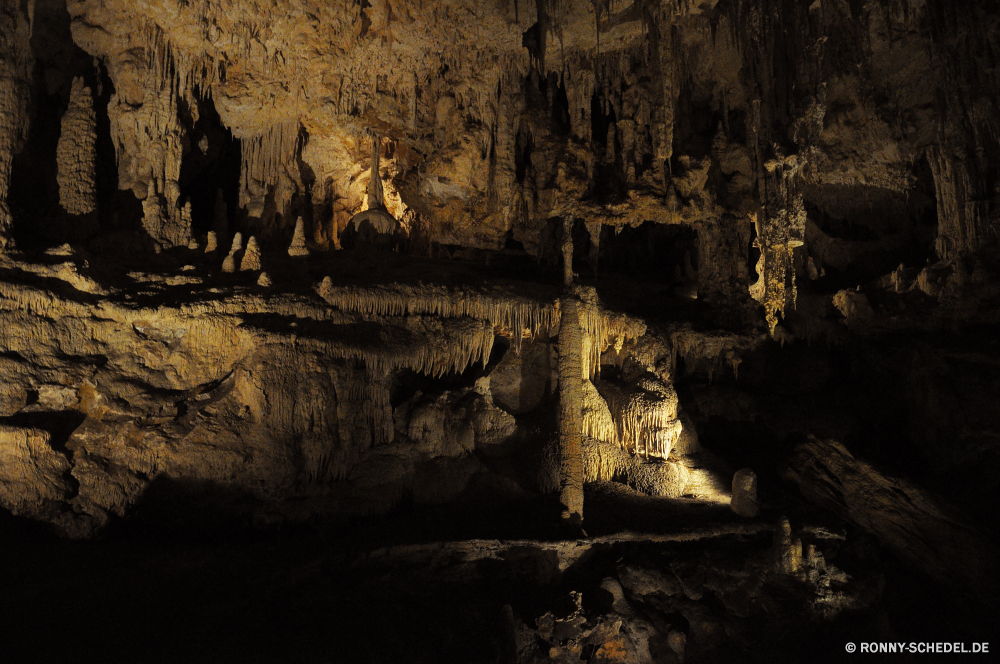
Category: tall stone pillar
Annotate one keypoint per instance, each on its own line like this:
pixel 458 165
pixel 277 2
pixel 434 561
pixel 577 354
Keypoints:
pixel 570 410
pixel 16 62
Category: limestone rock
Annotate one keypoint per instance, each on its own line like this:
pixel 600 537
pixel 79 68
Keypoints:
pixel 744 500
pixel 855 308
pixel 325 287
pixel 911 522
pixel 33 476
pixel 76 152
pixel 523 378
pixel 656 477
pixel 251 258
pixel 298 246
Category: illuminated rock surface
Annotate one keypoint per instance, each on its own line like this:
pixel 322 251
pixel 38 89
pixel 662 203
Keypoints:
pixel 540 275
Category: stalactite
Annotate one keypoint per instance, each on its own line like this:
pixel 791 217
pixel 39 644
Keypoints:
pixel 376 213
pixel 779 233
pixel 76 153
pixel 267 157
pixel 645 417
pixel 429 346
pixel 517 315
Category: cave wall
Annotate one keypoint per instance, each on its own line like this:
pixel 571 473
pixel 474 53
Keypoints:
pixel 496 117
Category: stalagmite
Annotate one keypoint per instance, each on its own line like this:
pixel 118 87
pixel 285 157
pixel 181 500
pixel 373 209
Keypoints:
pixel 229 262
pixel 325 288
pixel 787 549
pixel 251 257
pixel 193 244
pixel 571 396
pixel 76 152
pixel 186 218
pixel 212 243
pixel 744 500
pixel 376 214
pixel 298 246
pixel 264 280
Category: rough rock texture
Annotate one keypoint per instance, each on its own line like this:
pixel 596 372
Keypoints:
pixel 744 500
pixel 571 473
pixel 907 519
pixel 16 62
pixel 518 254
pixel 490 147
pixel 34 477
pixel 298 246
pixel 76 154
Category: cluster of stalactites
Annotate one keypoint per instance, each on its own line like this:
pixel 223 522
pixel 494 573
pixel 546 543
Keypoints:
pixel 780 229
pixel 603 329
pixel 708 350
pixel 509 314
pixel 645 417
pixel 267 160
pixel 436 348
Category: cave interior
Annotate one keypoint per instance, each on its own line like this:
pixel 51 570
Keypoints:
pixel 509 331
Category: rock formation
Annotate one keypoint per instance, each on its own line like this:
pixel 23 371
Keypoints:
pixel 744 500
pixel 16 63
pixel 571 265
pixel 251 257
pixel 298 246
pixel 75 156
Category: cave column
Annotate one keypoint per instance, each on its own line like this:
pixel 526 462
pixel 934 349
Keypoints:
pixel 567 251
pixel 16 62
pixel 76 152
pixel 570 410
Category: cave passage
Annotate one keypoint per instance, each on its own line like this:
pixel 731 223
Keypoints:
pixel 211 163
pixel 650 252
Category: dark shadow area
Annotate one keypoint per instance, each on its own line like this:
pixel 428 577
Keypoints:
pixel 58 424
pixel 651 252
pixel 38 219
pixel 211 164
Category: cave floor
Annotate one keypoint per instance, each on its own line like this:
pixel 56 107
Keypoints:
pixel 410 586
pixel 422 584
